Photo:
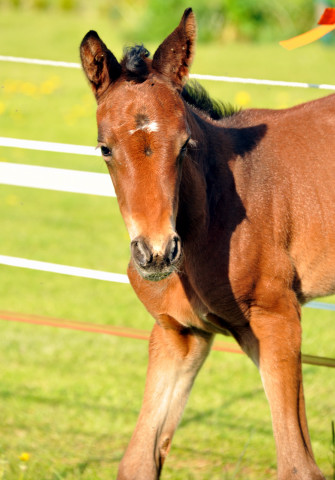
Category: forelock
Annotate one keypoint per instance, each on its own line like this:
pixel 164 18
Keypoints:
pixel 134 63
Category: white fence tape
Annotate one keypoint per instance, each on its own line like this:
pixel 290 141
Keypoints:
pixel 36 61
pixel 63 269
pixel 49 146
pixel 253 81
pixel 197 76
pixel 56 179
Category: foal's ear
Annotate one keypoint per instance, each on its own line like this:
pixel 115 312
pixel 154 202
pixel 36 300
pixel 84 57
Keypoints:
pixel 99 64
pixel 175 55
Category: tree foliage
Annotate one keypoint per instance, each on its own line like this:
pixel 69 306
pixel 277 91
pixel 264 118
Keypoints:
pixel 246 20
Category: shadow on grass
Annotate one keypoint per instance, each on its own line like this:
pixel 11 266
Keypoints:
pixel 60 402
pixel 231 399
pixel 78 470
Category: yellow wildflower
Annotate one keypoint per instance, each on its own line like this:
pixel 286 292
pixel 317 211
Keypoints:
pixel 12 201
pixel 50 85
pixel 242 98
pixel 11 86
pixel 28 88
pixel 25 457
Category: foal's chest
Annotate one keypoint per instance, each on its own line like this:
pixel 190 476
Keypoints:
pixel 174 300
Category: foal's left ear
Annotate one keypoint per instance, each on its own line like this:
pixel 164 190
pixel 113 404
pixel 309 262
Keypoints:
pixel 99 64
pixel 175 55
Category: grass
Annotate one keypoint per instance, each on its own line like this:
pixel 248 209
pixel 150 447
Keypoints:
pixel 69 400
pixel 333 447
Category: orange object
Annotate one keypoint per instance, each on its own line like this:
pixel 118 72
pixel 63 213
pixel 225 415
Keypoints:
pixel 326 25
pixel 328 17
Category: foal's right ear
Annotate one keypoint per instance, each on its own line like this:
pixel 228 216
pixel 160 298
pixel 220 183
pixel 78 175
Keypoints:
pixel 99 64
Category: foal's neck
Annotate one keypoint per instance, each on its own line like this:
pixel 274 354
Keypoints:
pixel 206 177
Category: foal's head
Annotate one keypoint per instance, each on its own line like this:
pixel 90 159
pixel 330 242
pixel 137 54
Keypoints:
pixel 143 134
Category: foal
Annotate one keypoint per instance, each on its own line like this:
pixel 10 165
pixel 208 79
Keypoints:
pixel 232 227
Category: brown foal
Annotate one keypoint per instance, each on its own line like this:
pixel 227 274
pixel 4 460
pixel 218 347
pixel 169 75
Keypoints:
pixel 231 218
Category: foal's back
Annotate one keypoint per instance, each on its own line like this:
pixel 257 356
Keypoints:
pixel 287 185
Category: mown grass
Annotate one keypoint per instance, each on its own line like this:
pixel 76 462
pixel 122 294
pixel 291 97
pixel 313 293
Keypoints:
pixel 70 399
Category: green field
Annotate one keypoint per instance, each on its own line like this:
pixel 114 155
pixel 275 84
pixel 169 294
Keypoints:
pixel 69 400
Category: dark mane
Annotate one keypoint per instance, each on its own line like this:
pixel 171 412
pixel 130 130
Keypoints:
pixel 195 94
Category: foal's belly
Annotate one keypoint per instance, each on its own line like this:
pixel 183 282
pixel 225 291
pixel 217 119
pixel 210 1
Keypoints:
pixel 314 261
pixel 316 278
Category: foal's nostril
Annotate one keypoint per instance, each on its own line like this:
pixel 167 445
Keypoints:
pixel 153 263
pixel 173 250
pixel 141 252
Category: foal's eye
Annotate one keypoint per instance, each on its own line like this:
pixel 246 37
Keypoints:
pixel 105 151
pixel 184 148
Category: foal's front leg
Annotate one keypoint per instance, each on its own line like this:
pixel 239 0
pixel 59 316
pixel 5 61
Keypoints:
pixel 175 357
pixel 277 333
